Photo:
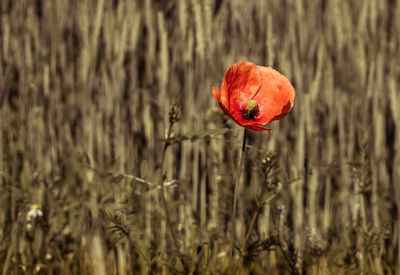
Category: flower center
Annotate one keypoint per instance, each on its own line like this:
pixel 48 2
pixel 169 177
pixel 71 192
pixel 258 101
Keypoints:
pixel 251 110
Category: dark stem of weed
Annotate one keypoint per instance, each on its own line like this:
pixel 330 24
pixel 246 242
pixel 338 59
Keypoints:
pixel 163 200
pixel 239 172
pixel 260 204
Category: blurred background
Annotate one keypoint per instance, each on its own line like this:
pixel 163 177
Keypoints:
pixel 89 89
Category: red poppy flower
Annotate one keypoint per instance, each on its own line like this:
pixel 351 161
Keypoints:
pixel 254 95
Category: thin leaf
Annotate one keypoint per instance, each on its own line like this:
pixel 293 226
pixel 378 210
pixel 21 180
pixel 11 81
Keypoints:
pixel 193 136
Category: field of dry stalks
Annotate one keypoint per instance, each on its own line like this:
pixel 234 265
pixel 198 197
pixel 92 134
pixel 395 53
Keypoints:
pixel 115 157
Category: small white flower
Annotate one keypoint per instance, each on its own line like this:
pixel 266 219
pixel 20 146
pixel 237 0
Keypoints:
pixel 34 212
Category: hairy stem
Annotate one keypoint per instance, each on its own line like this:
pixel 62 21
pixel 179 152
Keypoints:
pixel 253 221
pixel 162 193
pixel 239 172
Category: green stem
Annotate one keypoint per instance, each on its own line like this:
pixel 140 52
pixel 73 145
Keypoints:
pixel 253 221
pixel 163 200
pixel 241 162
pixel 256 213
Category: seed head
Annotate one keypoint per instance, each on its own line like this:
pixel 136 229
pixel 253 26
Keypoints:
pixel 174 113
pixel 251 109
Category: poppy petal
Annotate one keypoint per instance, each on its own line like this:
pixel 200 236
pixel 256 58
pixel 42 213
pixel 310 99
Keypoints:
pixel 217 95
pixel 256 128
pixel 241 82
pixel 275 96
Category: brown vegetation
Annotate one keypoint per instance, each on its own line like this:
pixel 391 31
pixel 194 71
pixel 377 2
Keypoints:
pixel 89 89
